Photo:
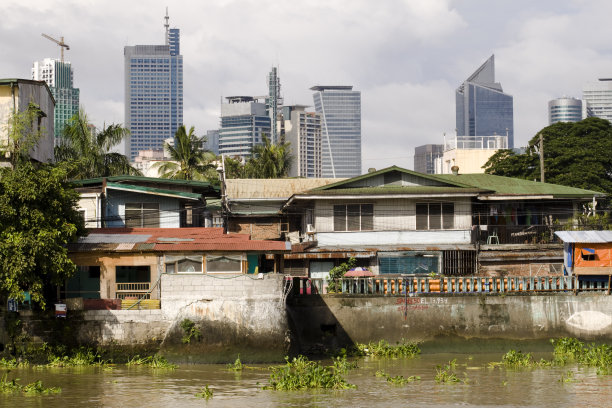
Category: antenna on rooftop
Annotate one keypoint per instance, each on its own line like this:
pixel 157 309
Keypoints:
pixel 167 25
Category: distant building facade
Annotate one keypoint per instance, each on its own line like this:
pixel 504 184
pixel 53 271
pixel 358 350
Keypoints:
pixel 564 110
pixel 212 141
pixel 425 157
pixel 469 153
pixel 59 76
pixel 598 98
pixel 340 109
pixel 153 92
pixel 274 103
pixel 244 122
pixel 303 132
pixel 20 95
pixel 482 108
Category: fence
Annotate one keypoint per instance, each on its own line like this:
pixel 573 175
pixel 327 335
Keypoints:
pixel 133 290
pixel 449 285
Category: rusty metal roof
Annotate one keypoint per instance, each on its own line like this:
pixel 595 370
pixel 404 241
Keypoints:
pixel 585 236
pixel 273 188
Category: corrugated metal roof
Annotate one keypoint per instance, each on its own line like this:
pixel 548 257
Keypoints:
pixel 153 191
pixel 589 237
pixel 390 190
pixel 514 186
pixel 100 238
pixel 273 188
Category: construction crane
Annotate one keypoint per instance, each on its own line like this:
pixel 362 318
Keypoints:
pixel 61 43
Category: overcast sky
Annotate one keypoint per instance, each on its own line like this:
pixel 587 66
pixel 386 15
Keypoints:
pixel 406 57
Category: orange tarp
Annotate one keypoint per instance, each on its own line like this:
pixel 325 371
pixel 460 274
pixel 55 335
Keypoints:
pixel 602 255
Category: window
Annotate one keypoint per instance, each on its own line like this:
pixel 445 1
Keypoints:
pixel 396 263
pixel 183 263
pixel 132 274
pixel 224 264
pixel 142 215
pixel 435 216
pixel 353 217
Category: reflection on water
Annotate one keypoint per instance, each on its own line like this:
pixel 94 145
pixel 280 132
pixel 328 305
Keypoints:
pixel 123 386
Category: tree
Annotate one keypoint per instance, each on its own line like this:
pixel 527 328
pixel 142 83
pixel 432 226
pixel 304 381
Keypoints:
pixel 24 132
pixel 91 151
pixel 575 154
pixel 38 217
pixel 269 160
pixel 190 161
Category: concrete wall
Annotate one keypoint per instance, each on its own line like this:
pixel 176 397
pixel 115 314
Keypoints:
pixel 335 321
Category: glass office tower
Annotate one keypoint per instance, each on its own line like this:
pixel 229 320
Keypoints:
pixel 483 109
pixel 153 93
pixel 59 76
pixel 244 122
pixel 564 110
pixel 340 110
pixel 598 98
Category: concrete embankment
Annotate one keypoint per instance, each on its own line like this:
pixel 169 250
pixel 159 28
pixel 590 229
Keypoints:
pixel 321 322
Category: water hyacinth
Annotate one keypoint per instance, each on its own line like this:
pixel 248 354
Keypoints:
pixel 302 374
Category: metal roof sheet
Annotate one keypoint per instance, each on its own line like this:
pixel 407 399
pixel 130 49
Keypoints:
pixel 585 236
pixel 273 188
pixel 97 238
pixel 153 191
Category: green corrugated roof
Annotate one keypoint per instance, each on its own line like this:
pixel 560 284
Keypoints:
pixel 154 191
pixel 413 190
pixel 514 186
pixel 387 170
pixel 141 179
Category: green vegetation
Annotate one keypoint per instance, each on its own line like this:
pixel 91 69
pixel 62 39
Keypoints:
pixel 567 377
pixel 81 357
pixel 572 350
pixel 13 386
pixel 337 272
pixel 398 379
pixel 445 374
pixel 342 365
pixel 237 366
pixel 516 359
pixel 302 374
pixel 38 217
pixel 91 152
pixel 191 332
pixel 384 349
pixel 575 154
pixel 205 393
pixel 151 361
pixel 269 160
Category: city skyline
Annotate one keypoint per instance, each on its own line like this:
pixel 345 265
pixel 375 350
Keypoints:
pixel 406 59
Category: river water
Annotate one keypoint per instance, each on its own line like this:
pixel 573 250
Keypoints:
pixel 124 386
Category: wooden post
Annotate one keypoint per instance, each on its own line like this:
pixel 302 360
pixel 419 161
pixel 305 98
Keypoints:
pixel 541 158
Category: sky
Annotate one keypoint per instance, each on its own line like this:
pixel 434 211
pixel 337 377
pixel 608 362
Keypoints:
pixel 406 57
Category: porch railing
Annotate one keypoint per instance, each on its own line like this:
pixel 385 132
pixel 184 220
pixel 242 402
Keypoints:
pixel 447 285
pixel 137 290
pixel 518 234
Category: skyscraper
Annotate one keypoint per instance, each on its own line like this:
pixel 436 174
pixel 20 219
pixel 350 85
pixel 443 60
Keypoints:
pixel 303 131
pixel 564 110
pixel 340 109
pixel 425 157
pixel 153 92
pixel 483 109
pixel 273 102
pixel 59 77
pixel 244 121
pixel 598 98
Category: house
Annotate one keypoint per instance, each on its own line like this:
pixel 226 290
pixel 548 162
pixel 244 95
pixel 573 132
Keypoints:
pixel 587 253
pixel 144 202
pixel 119 263
pixel 253 205
pixel 397 221
pixel 21 95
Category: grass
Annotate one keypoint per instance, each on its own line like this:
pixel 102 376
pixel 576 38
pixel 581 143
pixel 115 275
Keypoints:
pixel 205 393
pixel 151 361
pixel 384 349
pixel 302 374
pixel 37 387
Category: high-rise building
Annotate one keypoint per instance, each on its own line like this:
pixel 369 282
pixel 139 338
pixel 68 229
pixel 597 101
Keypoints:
pixel 274 102
pixel 153 92
pixel 212 141
pixel 59 77
pixel 483 109
pixel 244 122
pixel 425 157
pixel 598 98
pixel 303 132
pixel 340 109
pixel 564 110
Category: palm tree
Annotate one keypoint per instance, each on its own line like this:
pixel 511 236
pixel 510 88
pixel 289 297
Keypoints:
pixel 269 160
pixel 90 151
pixel 189 159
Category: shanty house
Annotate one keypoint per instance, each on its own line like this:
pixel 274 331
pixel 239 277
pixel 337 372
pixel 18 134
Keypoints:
pixel 587 253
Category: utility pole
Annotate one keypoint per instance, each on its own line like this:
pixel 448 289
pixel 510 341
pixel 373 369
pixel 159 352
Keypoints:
pixel 541 158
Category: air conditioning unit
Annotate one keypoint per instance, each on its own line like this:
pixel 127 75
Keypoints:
pixel 310 229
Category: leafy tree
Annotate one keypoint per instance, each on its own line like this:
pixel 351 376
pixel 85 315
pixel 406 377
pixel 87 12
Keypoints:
pixel 269 160
pixel 91 150
pixel 575 154
pixel 234 168
pixel 190 161
pixel 24 132
pixel 38 217
pixel 337 272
